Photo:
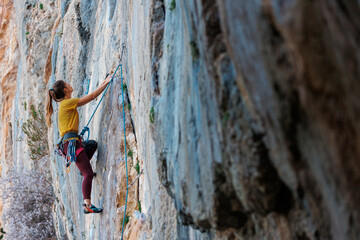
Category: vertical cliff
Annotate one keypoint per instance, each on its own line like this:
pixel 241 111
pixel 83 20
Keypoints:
pixel 241 117
pixel 9 57
pixel 8 69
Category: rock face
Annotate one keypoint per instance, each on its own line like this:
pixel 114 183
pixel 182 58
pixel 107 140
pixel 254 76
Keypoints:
pixel 9 57
pixel 9 54
pixel 241 115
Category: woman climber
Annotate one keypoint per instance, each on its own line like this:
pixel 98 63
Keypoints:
pixel 68 121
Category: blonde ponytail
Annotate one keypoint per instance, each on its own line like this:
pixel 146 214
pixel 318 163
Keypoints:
pixel 57 94
pixel 49 108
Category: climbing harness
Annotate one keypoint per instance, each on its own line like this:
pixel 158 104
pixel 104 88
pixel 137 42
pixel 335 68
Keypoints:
pixel 72 153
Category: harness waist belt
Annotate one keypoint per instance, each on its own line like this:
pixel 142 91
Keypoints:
pixel 69 135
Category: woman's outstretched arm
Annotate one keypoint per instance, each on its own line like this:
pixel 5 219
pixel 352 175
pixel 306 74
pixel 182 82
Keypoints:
pixel 88 98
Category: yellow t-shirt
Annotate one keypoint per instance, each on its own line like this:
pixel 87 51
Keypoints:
pixel 68 117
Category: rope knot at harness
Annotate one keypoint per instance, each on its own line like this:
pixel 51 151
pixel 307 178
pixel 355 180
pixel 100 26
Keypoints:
pixel 85 130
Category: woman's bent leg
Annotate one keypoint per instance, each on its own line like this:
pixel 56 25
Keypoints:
pixel 83 163
pixel 90 148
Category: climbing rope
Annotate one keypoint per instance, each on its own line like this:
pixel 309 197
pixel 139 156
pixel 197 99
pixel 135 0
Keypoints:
pixel 86 128
pixel 127 183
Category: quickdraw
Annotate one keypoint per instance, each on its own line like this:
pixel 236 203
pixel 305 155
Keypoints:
pixel 71 155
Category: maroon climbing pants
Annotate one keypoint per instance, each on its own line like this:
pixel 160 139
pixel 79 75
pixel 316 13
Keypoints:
pixel 83 163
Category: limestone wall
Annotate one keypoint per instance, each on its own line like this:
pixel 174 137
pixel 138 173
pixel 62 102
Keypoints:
pixel 242 115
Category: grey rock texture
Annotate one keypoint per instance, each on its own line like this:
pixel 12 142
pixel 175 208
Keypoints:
pixel 263 134
pixel 242 115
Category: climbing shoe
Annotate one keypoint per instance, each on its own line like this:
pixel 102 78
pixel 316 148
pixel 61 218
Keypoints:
pixel 91 209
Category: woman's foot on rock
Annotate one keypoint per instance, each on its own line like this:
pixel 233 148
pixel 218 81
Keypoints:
pixel 91 209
